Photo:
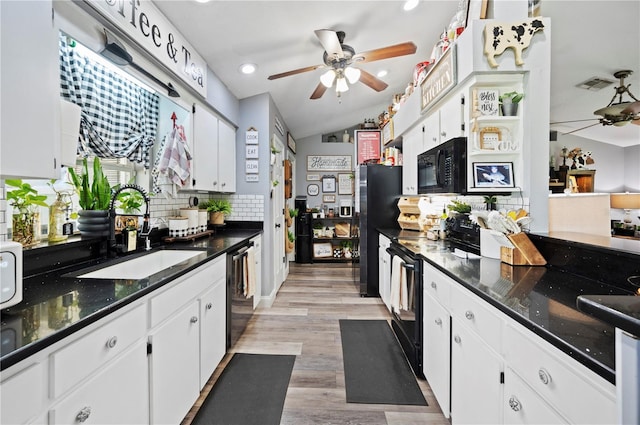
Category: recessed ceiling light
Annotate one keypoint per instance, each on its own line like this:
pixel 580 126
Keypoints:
pixel 410 5
pixel 382 73
pixel 203 1
pixel 248 68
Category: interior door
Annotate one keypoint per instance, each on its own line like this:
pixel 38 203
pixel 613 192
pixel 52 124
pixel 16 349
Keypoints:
pixel 277 212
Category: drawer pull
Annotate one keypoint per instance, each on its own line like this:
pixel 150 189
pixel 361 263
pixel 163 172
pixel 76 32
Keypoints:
pixel 457 339
pixel 112 343
pixel 194 319
pixel 438 321
pixel 544 376
pixel 209 306
pixel 469 314
pixel 514 403
pixel 83 414
pixel 433 285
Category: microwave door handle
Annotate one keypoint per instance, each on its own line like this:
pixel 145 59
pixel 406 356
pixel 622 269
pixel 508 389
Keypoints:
pixel 438 155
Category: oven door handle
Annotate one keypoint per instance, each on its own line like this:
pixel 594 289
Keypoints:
pixel 242 252
pixel 407 264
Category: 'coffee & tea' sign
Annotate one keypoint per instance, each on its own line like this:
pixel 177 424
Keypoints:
pixel 144 23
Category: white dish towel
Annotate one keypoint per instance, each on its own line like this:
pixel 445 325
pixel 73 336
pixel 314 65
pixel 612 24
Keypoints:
pixel 399 293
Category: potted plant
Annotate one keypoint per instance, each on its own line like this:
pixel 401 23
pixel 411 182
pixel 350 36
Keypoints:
pixel 459 207
pixel 218 209
pixel 509 103
pixel 289 242
pixel 490 201
pixel 26 221
pixel 94 197
pixel 346 248
pixel 318 230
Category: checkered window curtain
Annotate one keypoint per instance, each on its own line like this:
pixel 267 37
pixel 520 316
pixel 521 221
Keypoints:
pixel 119 119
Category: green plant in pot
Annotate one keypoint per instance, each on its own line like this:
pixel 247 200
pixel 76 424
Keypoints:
pixel 94 197
pixel 26 220
pixel 218 209
pixel 509 103
pixel 289 242
pixel 490 201
pixel 459 207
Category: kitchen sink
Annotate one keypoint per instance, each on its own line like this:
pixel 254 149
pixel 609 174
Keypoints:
pixel 144 266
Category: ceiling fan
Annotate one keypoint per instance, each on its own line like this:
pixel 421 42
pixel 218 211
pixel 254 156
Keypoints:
pixel 615 113
pixel 339 58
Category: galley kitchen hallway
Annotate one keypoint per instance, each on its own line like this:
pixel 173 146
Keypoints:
pixel 304 321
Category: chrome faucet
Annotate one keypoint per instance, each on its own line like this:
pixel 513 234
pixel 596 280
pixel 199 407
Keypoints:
pixel 112 245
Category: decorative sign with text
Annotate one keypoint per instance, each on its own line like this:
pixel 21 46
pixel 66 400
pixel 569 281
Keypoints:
pixel 488 102
pixel 329 163
pixel 145 24
pixel 439 80
pixel 368 145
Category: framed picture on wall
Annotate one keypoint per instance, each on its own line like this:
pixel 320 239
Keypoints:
pixel 329 199
pixel 328 184
pixel 345 184
pixel 493 174
pixel 313 189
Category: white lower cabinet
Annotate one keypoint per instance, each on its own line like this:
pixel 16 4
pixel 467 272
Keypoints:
pixel 437 351
pixel 212 329
pixel 476 390
pixel 116 395
pixel 384 270
pixel 23 395
pixel 174 366
pixel 522 405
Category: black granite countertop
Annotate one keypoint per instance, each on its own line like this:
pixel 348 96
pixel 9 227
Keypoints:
pixel 621 311
pixel 57 303
pixel 542 298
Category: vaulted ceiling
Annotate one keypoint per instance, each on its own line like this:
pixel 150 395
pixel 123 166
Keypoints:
pixel 589 39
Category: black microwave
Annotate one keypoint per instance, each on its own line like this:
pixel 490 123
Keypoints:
pixel 443 169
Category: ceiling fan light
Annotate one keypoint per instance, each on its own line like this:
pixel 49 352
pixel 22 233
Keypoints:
pixel 352 74
pixel 327 78
pixel 341 85
pixel 620 123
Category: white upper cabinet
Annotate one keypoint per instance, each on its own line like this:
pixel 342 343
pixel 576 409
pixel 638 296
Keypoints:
pixel 30 131
pixel 214 153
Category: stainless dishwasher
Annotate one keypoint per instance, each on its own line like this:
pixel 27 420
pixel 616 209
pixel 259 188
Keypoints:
pixel 239 305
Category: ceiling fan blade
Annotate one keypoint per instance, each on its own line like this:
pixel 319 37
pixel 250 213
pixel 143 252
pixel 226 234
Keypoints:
pixel 633 108
pixel 401 49
pixel 330 42
pixel 583 128
pixel 371 81
pixel 319 91
pixel 566 122
pixel 294 72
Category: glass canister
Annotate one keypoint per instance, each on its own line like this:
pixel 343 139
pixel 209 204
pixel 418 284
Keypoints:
pixel 57 218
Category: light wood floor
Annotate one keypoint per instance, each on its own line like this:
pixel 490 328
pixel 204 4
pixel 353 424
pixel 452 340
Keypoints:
pixel 303 321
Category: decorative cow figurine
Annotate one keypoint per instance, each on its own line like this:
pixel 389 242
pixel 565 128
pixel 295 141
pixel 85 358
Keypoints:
pixel 517 36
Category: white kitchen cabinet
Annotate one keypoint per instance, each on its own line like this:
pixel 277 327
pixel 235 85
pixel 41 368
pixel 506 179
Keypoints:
pixel 226 157
pixel 576 392
pixel 384 270
pixel 214 153
pixel 213 338
pixel 444 122
pixel 118 394
pixel 257 245
pixel 522 405
pixel 30 104
pixel 23 395
pixel 412 146
pixel 476 390
pixel 174 366
pixel 437 351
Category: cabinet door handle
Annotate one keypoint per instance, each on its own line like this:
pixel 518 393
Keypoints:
pixel 194 319
pixel 457 339
pixel 514 404
pixel 439 323
pixel 83 414
pixel 469 315
pixel 544 376
pixel 443 134
pixel 434 285
pixel 111 342
pixel 209 306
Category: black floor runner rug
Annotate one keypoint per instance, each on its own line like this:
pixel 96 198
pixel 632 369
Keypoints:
pixel 375 368
pixel 250 390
